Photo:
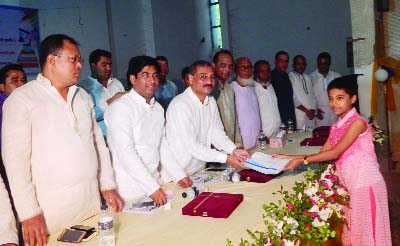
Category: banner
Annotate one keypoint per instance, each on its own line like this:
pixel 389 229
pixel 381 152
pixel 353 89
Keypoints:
pixel 19 37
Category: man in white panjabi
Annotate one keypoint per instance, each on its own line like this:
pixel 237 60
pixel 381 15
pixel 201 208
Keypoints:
pixel 267 101
pixel 56 159
pixel 8 229
pixel 193 125
pixel 320 79
pixel 135 127
pixel 303 94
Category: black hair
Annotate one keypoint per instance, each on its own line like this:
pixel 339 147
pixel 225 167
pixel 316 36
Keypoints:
pixel 137 63
pixel 221 51
pixel 185 71
pixel 96 55
pixel 161 58
pixel 4 70
pixel 324 55
pixel 198 63
pixel 258 63
pixel 51 45
pixel 299 56
pixel 281 52
pixel 349 84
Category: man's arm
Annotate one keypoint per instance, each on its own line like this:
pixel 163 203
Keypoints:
pixel 8 230
pixel 16 152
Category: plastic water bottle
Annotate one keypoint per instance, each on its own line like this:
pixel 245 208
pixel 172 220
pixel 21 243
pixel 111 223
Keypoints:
pixel 290 125
pixel 106 227
pixel 262 140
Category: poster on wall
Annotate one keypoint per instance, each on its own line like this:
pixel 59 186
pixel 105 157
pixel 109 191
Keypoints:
pixel 19 37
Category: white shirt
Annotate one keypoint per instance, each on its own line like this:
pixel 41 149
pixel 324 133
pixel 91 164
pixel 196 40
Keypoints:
pixel 191 128
pixel 8 230
pixel 303 94
pixel 320 84
pixel 134 132
pixel 53 150
pixel 100 95
pixel 269 112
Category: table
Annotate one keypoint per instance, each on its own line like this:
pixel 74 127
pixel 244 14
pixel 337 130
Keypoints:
pixel 170 227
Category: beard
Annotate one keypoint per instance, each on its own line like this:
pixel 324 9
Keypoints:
pixel 245 82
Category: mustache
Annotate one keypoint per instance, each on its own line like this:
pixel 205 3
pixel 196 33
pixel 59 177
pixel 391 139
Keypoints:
pixel 211 85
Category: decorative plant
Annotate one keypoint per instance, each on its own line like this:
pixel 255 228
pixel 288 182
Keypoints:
pixel 304 215
pixel 379 135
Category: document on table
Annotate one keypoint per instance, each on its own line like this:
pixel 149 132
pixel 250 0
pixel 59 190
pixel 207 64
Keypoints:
pixel 265 163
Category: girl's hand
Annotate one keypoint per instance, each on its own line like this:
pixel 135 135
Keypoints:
pixel 292 164
pixel 282 156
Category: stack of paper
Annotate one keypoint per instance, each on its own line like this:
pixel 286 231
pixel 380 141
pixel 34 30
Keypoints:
pixel 264 163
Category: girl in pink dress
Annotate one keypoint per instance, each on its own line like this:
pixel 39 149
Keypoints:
pixel 350 146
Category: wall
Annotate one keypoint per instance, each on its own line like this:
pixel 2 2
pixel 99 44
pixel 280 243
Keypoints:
pixel 259 29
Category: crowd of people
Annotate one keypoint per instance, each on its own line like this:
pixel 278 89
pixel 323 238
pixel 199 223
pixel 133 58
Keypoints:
pixel 67 144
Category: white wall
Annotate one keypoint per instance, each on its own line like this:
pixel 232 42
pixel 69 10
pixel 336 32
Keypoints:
pixel 259 29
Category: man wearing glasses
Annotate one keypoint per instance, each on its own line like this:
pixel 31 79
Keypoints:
pixel 193 125
pixel 225 95
pixel 135 126
pixel 246 102
pixel 53 150
pixel 100 85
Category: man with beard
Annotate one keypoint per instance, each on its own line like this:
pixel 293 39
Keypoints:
pixel 166 90
pixel 135 126
pixel 100 86
pixel 246 103
pixel 303 94
pixel 225 95
pixel 269 112
pixel 283 88
pixel 55 156
pixel 193 125
pixel 320 79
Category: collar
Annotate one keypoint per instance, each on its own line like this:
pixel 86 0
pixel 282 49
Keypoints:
pixel 110 80
pixel 265 85
pixel 196 98
pixel 137 97
pixel 299 74
pixel 341 121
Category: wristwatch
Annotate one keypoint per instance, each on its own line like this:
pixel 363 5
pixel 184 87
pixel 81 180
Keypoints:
pixel 305 161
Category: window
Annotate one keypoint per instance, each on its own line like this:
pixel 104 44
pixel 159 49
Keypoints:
pixel 215 19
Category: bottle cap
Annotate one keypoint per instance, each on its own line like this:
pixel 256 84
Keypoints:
pixel 104 207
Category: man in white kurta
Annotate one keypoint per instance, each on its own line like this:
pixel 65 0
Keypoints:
pixel 303 94
pixel 8 230
pixel 320 79
pixel 135 126
pixel 193 125
pixel 267 101
pixel 53 150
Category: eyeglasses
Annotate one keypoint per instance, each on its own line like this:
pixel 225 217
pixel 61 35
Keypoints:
pixel 244 68
pixel 73 59
pixel 204 77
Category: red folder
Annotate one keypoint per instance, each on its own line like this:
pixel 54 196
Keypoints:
pixel 211 204
pixel 321 131
pixel 314 141
pixel 254 176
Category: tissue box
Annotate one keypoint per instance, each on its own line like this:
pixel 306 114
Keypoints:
pixel 212 204
pixel 277 140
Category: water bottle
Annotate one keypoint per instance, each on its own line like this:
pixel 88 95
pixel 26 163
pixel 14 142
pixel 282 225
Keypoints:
pixel 282 127
pixel 106 227
pixel 262 140
pixel 290 125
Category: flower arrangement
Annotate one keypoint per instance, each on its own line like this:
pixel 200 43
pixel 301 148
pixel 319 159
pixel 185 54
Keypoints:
pixel 378 135
pixel 306 215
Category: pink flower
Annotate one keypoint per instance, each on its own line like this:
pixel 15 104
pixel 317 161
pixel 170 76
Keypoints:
pixel 290 206
pixel 324 184
pixel 331 199
pixel 333 178
pixel 313 214
pixel 308 226
pixel 313 202
pixel 324 206
pixel 322 195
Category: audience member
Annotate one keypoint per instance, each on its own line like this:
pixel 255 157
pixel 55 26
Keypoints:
pixel 53 150
pixel 166 90
pixel 267 101
pixel 135 125
pixel 185 76
pixel 283 88
pixel 246 103
pixel 100 86
pixel 225 95
pixel 303 94
pixel 320 79
pixel 8 229
pixel 193 125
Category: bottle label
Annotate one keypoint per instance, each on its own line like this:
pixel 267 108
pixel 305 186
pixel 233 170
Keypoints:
pixel 106 224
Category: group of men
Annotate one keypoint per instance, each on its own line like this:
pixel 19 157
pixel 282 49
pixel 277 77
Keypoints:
pixel 59 165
